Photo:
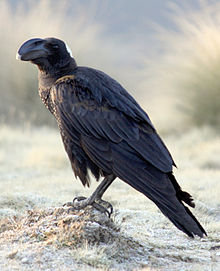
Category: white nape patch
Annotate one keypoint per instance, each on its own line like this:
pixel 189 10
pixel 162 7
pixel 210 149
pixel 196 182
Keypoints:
pixel 18 56
pixel 68 50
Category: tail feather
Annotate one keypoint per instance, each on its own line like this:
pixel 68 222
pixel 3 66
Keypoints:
pixel 160 187
pixel 197 222
pixel 181 195
pixel 170 204
pixel 187 198
pixel 186 222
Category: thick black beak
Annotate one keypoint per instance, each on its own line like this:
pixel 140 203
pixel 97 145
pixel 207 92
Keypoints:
pixel 32 49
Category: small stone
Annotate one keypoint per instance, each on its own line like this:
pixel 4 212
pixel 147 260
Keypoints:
pixel 12 254
pixel 24 260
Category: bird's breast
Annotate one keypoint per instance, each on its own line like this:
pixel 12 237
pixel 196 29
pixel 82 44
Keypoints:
pixel 45 96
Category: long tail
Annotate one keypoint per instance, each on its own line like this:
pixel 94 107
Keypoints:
pixel 172 207
pixel 187 198
pixel 160 187
pixel 165 192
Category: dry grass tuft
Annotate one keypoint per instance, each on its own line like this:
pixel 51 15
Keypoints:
pixel 187 71
pixel 60 227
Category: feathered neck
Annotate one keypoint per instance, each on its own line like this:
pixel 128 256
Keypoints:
pixel 49 74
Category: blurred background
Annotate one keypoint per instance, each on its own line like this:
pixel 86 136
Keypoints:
pixel 165 53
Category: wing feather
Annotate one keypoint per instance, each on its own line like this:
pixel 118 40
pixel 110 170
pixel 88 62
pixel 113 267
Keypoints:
pixel 102 109
pixel 117 136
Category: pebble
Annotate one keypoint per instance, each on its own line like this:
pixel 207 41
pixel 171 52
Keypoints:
pixel 12 254
pixel 24 260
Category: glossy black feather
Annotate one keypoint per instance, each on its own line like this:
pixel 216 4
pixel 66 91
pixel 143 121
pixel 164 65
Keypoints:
pixel 119 138
pixel 106 132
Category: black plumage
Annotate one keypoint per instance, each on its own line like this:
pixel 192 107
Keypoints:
pixel 104 130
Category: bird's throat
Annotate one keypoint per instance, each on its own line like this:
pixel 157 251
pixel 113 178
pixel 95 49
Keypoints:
pixel 47 76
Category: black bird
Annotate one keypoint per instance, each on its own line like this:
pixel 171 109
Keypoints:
pixel 106 132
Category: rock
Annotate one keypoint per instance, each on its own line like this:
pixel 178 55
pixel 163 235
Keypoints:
pixel 24 260
pixel 12 254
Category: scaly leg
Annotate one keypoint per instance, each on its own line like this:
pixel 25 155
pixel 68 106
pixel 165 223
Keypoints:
pixel 96 198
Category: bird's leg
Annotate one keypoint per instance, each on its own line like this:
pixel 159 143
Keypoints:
pixel 96 198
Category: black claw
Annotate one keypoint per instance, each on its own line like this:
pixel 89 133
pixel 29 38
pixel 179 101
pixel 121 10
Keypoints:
pixel 101 208
pixel 80 198
pixel 108 213
pixel 111 211
pixel 107 204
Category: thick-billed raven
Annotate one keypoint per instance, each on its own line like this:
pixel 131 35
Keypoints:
pixel 105 131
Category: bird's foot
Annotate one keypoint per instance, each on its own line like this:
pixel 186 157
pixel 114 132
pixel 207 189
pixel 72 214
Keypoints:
pixel 105 204
pixel 81 202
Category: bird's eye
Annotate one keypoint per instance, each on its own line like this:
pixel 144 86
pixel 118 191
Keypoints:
pixel 54 46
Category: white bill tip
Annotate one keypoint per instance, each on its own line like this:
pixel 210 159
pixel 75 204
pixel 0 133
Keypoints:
pixel 18 56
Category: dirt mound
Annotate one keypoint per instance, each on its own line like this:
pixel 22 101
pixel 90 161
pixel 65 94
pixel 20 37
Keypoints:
pixel 61 227
pixel 84 232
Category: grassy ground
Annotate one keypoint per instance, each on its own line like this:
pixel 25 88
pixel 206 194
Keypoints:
pixel 35 232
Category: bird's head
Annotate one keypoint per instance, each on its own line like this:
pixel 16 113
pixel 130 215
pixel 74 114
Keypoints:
pixel 46 53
